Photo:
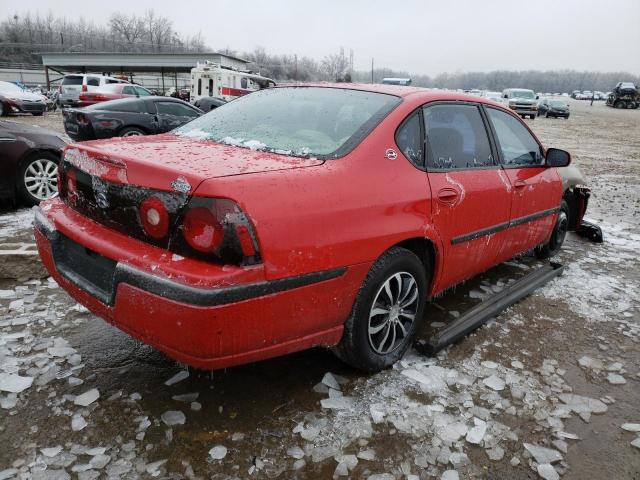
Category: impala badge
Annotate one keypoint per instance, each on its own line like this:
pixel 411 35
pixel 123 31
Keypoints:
pixel 181 185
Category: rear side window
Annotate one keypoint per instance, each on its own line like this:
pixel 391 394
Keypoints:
pixel 456 138
pixel 142 91
pixel 409 139
pixel 72 80
pixel 177 109
pixel 128 90
pixel 517 145
pixel 129 106
pixel 93 81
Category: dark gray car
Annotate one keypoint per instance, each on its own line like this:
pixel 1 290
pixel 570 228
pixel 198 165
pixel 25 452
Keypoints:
pixel 128 117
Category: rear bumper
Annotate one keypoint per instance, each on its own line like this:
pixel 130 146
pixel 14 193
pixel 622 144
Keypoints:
pixel 225 323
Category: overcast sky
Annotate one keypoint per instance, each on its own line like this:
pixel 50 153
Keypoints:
pixel 419 36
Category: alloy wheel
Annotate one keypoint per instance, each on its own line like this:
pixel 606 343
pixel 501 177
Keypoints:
pixel 132 133
pixel 393 312
pixel 41 178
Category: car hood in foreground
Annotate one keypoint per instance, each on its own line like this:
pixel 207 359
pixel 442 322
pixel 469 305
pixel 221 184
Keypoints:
pixel 34 97
pixel 158 161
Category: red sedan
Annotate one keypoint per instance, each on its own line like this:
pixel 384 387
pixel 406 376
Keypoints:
pixel 299 216
pixel 112 91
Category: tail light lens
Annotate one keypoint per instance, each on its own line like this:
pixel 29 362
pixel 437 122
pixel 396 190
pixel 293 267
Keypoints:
pixel 154 217
pixel 218 229
pixel 84 88
pixel 82 119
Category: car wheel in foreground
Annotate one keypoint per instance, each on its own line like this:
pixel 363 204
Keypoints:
pixel 558 235
pixel 387 312
pixel 38 178
pixel 131 132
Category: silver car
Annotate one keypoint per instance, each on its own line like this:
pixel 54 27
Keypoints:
pixel 74 85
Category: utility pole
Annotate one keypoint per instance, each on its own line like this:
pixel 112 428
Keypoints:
pixel 372 70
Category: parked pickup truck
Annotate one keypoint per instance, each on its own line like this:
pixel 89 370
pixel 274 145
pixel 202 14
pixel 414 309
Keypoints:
pixel 522 101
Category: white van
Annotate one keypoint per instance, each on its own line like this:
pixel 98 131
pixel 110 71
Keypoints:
pixel 226 83
pixel 73 85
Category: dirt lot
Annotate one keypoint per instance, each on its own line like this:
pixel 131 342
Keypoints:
pixel 560 370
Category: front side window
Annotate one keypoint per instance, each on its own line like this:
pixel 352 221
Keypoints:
pixel 143 92
pixel 409 139
pixel 297 121
pixel 128 90
pixel 517 145
pixel 456 137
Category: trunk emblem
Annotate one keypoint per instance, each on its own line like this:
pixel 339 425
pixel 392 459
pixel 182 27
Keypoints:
pixel 181 185
pixel 391 154
pixel 100 193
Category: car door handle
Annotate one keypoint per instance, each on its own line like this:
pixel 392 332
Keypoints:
pixel 448 195
pixel 520 184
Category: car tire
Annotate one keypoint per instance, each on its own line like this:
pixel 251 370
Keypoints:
pixel 38 169
pixel 131 132
pixel 558 235
pixel 396 286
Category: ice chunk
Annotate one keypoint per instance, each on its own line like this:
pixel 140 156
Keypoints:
pixel 295 452
pixel 218 452
pixel 173 417
pixel 450 475
pixel 377 413
pixel 61 351
pixel 95 451
pixel 9 472
pixel 543 454
pixel 453 431
pixel 615 379
pixel 636 442
pixel 178 377
pixel 546 471
pixel 52 451
pixel 153 468
pixel 100 461
pixel 496 453
pixel 592 363
pixel 367 455
pixel 330 381
pixel 186 397
pixel 517 364
pixel 494 382
pixel 87 398
pixel 580 404
pixel 337 403
pixel 476 434
pixel 78 423
pixel 631 427
pixel 49 475
pixel 10 382
pixel 489 364
pixel 381 476
pixel 8 402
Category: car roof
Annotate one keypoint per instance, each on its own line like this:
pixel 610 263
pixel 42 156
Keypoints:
pixel 418 94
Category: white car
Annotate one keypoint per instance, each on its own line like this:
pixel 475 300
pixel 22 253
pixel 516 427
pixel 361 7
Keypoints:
pixel 73 85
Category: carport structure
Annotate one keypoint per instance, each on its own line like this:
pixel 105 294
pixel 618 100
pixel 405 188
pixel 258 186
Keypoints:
pixel 129 63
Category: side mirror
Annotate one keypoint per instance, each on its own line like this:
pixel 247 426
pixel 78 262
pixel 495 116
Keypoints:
pixel 537 97
pixel 557 158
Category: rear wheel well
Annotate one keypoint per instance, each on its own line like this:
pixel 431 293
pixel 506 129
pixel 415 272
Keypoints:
pixel 424 250
pixel 138 127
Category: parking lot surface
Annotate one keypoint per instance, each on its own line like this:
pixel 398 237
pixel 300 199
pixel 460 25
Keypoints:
pixel 550 387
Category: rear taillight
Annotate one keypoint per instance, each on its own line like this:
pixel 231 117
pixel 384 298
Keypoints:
pixel 82 119
pixel 154 217
pixel 70 186
pixel 84 88
pixel 218 229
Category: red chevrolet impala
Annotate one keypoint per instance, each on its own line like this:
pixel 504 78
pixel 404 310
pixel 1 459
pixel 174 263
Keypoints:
pixel 299 216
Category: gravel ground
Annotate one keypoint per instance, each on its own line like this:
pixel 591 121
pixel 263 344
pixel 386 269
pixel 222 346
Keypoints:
pixel 550 388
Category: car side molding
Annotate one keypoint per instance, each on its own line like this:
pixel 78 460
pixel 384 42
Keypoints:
pixel 503 226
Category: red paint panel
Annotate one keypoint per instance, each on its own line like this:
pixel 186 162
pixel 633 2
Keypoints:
pixel 235 92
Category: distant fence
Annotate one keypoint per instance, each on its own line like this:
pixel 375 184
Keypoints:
pixel 33 76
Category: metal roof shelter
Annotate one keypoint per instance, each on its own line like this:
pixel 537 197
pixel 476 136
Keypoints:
pixel 122 63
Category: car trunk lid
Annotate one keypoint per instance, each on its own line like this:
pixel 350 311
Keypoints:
pixel 172 163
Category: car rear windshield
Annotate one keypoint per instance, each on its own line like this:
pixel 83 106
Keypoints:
pixel 72 80
pixel 298 121
pixel 557 103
